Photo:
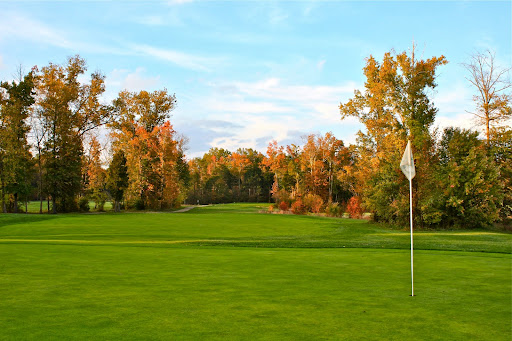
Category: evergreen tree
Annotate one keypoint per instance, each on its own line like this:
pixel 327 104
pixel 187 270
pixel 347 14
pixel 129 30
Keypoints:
pixel 117 178
pixel 16 98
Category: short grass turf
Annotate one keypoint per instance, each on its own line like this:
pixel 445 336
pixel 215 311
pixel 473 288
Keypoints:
pixel 184 276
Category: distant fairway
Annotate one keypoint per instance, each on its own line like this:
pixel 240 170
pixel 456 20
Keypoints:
pixel 227 272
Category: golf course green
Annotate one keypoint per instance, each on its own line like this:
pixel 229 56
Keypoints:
pixel 229 272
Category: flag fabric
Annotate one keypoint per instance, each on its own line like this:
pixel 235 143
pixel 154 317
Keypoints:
pixel 407 164
pixel 407 167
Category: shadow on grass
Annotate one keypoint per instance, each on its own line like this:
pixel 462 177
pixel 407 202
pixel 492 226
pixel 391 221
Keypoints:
pixel 232 208
pixel 23 218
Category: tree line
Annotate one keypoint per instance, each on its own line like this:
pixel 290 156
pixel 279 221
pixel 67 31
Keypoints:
pixel 50 152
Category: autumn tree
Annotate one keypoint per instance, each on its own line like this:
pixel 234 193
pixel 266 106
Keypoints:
pixel 394 107
pixel 314 169
pixel 142 130
pixel 321 159
pixel 68 110
pixel 239 162
pixel 493 98
pixel 295 169
pixel 275 162
pixel 16 98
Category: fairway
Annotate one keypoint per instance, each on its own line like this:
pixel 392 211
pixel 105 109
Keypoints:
pixel 228 272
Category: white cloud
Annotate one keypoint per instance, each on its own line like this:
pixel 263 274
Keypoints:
pixel 269 109
pixel 255 129
pixel 455 104
pixel 246 107
pixel 136 81
pixel 272 88
pixel 181 59
pixel 122 79
pixel 463 120
pixel 14 25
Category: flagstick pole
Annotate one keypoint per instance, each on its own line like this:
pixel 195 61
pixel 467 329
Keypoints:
pixel 412 256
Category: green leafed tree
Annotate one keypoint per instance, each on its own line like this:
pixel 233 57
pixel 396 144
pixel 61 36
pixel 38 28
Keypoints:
pixel 68 109
pixel 117 178
pixel 16 99
pixel 501 151
pixel 469 191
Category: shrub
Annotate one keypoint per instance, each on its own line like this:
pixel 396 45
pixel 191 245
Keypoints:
pixel 298 207
pixel 83 204
pixel 354 207
pixel 313 203
pixel 270 208
pixel 137 204
pixel 283 206
pixel 333 209
pixel 281 195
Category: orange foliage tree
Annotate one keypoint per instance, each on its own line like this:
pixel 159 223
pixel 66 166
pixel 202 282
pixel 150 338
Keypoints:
pixel 394 107
pixel 152 148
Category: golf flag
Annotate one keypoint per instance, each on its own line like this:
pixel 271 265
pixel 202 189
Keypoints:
pixel 407 167
pixel 407 164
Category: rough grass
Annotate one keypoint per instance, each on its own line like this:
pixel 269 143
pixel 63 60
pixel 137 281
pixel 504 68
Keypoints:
pixel 185 276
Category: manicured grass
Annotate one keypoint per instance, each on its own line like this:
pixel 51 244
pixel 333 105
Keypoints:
pixel 164 276
pixel 236 225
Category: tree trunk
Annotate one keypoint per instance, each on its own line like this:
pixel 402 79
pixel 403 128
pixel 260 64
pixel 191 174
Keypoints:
pixel 4 207
pixel 487 131
pixel 15 202
pixel 40 185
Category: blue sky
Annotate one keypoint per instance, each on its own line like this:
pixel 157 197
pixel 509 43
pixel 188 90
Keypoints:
pixel 248 72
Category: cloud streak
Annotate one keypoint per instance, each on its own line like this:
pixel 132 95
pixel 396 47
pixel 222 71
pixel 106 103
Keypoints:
pixel 184 60
pixel 16 26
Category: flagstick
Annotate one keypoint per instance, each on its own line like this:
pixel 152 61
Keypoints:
pixel 412 256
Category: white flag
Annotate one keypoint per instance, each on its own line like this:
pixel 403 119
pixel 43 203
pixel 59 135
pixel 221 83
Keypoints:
pixel 407 164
